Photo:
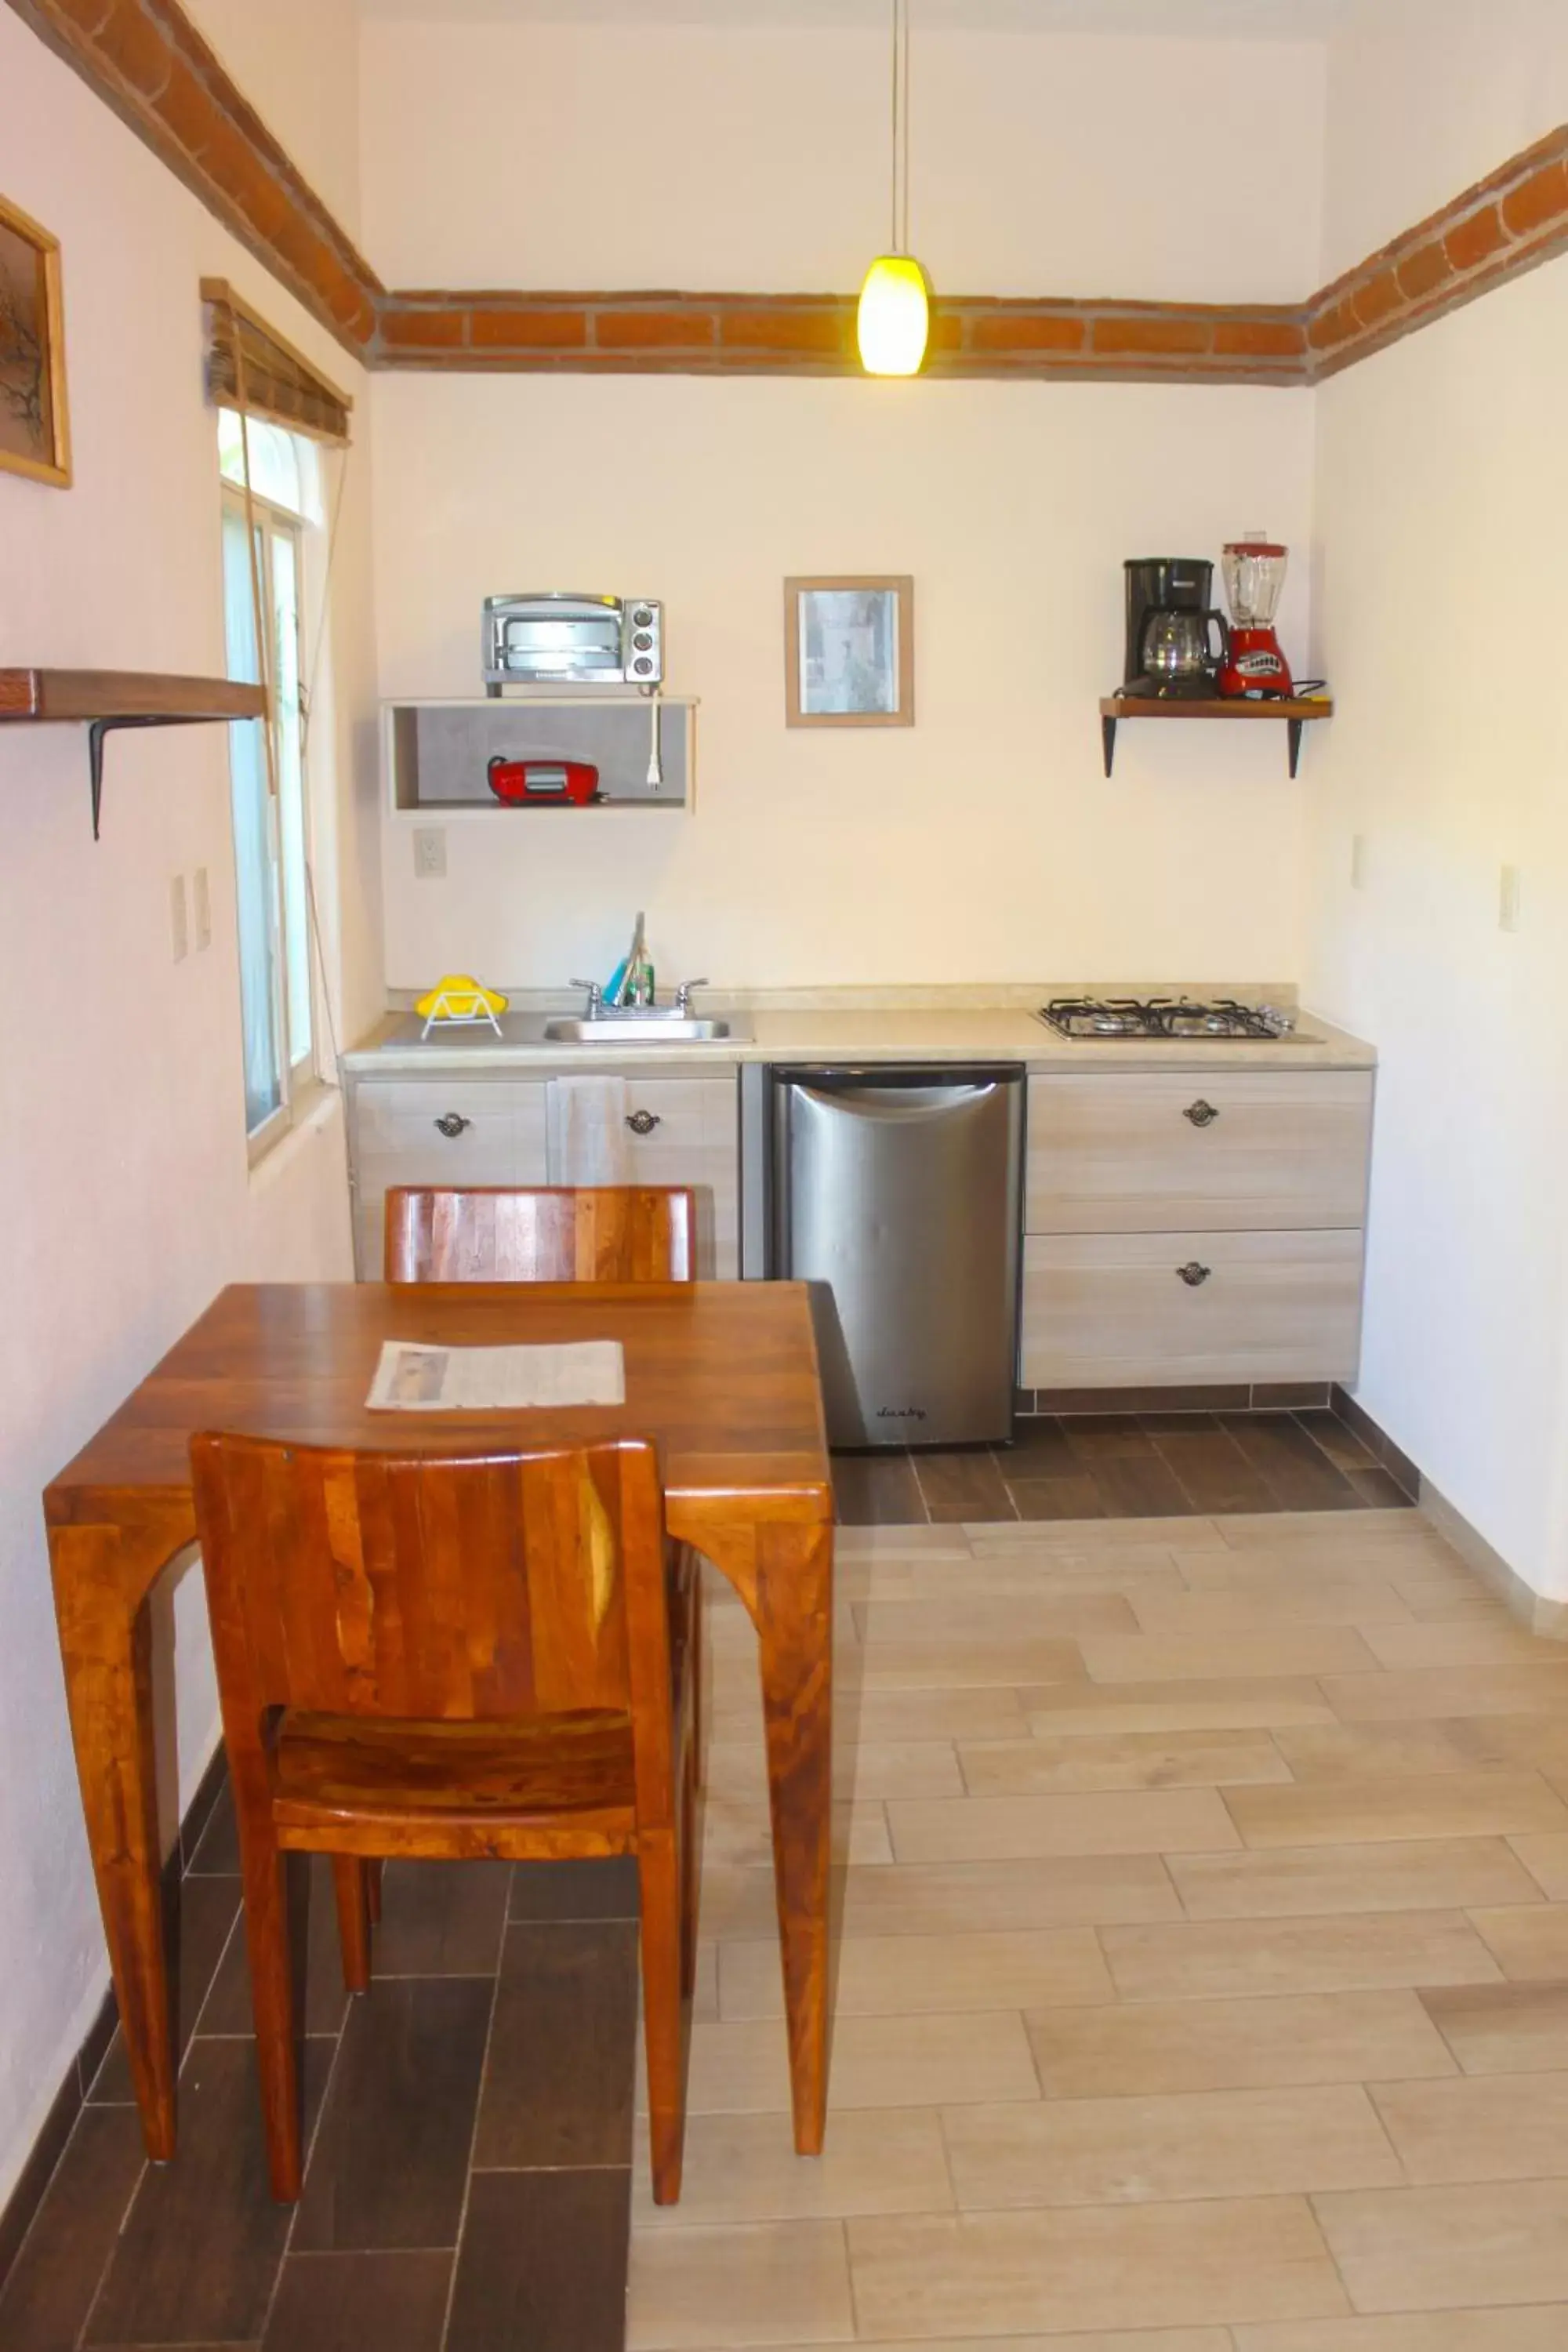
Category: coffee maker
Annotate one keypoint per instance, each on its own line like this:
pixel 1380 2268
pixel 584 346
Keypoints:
pixel 1169 617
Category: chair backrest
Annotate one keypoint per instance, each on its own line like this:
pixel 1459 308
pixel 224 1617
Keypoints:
pixel 557 1233
pixel 453 1588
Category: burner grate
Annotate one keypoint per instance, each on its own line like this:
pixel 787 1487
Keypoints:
pixel 1162 1016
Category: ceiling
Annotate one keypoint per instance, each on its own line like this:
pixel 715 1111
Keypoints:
pixel 1203 19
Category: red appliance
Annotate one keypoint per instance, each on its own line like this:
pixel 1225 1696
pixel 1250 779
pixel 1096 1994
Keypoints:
pixel 524 783
pixel 1254 666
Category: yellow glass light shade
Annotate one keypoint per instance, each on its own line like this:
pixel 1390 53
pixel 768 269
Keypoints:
pixel 894 317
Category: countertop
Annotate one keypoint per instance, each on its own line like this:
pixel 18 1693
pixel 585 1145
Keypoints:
pixel 923 1029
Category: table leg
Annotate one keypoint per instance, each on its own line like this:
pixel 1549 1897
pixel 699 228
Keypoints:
pixel 106 1647
pixel 795 1623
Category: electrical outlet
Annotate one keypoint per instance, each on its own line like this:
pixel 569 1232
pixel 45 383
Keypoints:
pixel 430 853
pixel 1358 861
pixel 179 930
pixel 1510 913
pixel 202 909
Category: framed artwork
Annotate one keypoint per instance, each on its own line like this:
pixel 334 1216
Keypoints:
pixel 849 652
pixel 35 435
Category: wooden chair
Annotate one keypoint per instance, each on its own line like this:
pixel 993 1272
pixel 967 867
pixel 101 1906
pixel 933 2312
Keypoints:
pixel 560 1232
pixel 447 1657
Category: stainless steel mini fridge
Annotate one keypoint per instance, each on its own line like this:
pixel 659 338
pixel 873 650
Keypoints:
pixel 898 1192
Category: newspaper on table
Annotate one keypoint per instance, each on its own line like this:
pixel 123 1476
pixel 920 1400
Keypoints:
pixel 412 1377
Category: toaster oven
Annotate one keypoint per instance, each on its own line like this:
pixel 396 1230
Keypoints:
pixel 555 639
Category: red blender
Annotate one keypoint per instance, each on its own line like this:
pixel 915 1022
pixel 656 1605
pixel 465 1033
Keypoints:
pixel 1254 570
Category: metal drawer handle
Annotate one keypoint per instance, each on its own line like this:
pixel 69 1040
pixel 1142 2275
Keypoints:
pixel 1193 1274
pixel 452 1123
pixel 642 1122
pixel 1201 1113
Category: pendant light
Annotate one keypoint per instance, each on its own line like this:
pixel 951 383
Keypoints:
pixel 894 317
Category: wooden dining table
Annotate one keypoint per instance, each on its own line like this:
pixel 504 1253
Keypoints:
pixel 723 1376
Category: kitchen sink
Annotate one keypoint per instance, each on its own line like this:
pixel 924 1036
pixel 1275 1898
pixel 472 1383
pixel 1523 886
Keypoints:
pixel 636 1028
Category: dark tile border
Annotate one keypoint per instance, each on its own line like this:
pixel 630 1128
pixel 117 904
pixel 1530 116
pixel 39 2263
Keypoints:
pixel 38 2171
pixel 1269 1396
pixel 1399 1466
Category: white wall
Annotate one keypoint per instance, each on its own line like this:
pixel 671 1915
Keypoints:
pixel 124 1195
pixel 1441 614
pixel 1425 97
pixel 558 155
pixel 983 843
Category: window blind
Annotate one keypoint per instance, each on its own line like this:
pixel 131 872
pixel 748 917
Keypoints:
pixel 250 367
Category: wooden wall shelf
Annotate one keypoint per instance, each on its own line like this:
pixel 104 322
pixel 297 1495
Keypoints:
pixel 1296 715
pixel 105 701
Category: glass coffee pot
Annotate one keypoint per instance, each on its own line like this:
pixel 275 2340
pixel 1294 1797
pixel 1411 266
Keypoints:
pixel 1177 654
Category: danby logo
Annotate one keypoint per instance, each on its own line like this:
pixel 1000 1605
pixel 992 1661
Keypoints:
pixel 901 1413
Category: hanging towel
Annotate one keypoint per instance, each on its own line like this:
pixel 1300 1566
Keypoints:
pixel 591 1143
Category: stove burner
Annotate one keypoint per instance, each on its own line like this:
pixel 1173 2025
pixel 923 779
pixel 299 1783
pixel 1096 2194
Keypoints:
pixel 1162 1017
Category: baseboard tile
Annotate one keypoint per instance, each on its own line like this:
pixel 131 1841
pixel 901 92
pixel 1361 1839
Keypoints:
pixel 38 2167
pixel 1547 1618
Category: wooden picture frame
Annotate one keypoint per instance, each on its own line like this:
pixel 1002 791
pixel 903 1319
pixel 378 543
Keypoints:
pixel 849 651
pixel 34 426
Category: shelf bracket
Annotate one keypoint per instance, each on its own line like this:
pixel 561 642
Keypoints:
pixel 1294 728
pixel 99 728
pixel 1107 740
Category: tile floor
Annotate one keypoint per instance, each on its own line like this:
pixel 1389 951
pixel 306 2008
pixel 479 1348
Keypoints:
pixel 1126 1465
pixel 1202 1986
pixel 1202 1981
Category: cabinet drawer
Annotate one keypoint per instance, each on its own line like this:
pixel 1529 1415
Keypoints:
pixel 1158 1152
pixel 1112 1310
pixel 498 1138
pixel 679 1131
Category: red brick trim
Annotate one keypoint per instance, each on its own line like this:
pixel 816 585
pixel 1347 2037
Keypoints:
pixel 813 334
pixel 1509 223
pixel 146 60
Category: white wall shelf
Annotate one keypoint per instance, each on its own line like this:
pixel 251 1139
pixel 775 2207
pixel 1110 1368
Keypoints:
pixel 438 753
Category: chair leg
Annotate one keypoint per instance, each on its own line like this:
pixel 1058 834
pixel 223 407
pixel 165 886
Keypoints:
pixel 664 2012
pixel 690 1866
pixel 350 1885
pixel 373 1890
pixel 272 2001
pixel 698 1664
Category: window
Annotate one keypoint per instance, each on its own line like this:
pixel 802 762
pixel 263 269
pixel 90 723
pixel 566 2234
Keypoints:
pixel 264 569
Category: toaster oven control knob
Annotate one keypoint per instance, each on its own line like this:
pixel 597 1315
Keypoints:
pixel 642 641
pixel 642 618
pixel 642 666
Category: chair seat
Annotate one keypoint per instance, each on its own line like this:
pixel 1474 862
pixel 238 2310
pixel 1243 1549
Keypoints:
pixel 329 1769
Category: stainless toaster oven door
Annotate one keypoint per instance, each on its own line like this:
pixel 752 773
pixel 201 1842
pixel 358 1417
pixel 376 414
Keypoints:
pixel 578 647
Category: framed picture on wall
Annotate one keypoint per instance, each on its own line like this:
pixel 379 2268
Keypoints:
pixel 35 435
pixel 849 651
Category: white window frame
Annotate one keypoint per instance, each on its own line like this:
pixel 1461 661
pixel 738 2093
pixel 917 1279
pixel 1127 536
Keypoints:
pixel 299 1079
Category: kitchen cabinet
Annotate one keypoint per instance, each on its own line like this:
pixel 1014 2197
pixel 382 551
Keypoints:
pixel 1189 1228
pixel 1155 1151
pixel 438 1130
pixel 1137 1309
pixel 679 1131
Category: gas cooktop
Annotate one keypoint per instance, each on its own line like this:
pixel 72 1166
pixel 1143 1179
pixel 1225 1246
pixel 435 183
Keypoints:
pixel 1173 1017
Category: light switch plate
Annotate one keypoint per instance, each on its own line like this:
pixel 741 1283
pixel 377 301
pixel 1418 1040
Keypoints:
pixel 202 908
pixel 1510 911
pixel 179 930
pixel 1358 861
pixel 430 853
